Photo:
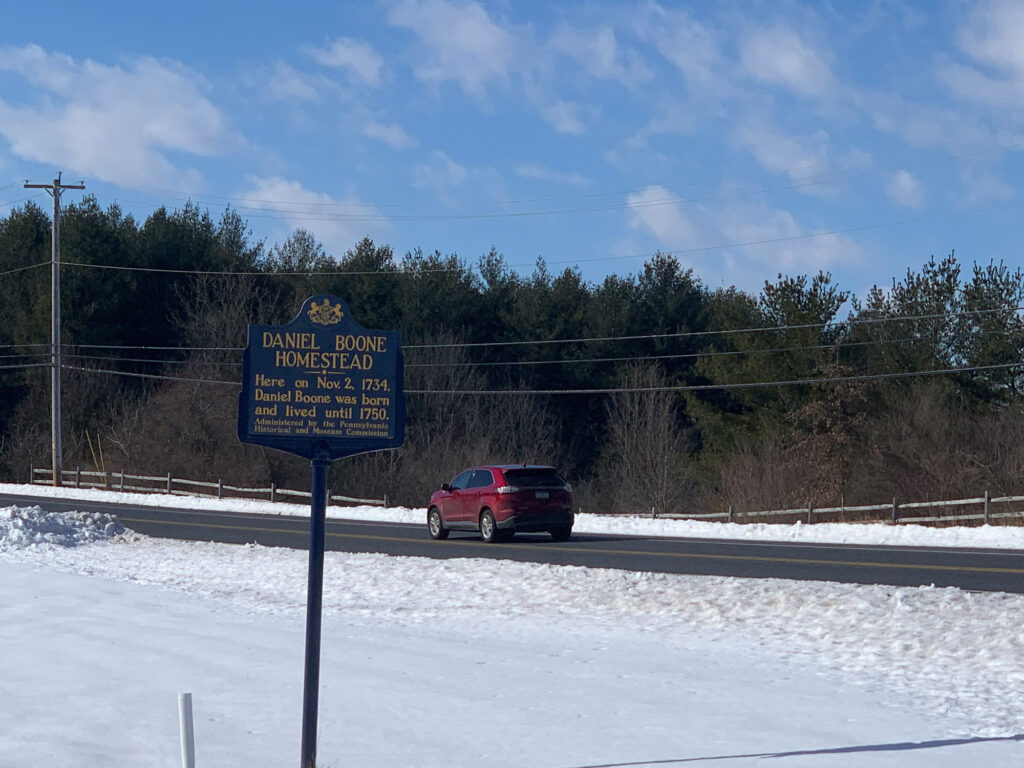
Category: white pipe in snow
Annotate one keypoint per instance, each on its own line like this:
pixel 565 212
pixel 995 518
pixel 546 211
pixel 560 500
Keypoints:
pixel 188 744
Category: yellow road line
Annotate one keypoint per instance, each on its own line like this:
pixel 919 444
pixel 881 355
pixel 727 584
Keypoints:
pixel 632 552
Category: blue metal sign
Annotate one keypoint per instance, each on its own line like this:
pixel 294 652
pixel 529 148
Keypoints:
pixel 322 385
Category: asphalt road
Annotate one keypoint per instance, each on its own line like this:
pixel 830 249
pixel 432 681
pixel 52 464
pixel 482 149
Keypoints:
pixel 974 569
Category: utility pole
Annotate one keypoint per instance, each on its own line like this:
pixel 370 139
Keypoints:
pixel 54 189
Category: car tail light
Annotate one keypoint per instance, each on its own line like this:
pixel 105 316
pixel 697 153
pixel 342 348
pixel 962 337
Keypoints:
pixel 507 489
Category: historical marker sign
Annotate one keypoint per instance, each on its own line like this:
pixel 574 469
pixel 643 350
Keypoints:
pixel 322 382
pixel 322 387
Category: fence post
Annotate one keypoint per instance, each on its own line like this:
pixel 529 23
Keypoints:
pixel 168 482
pixel 122 479
pixel 188 742
pixel 895 511
pixel 988 500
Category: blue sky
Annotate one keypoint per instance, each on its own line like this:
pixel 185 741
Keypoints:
pixel 749 139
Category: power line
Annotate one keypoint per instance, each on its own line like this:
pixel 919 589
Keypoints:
pixel 133 374
pixel 594 339
pixel 24 365
pixel 511 363
pixel 398 272
pixel 616 390
pixel 725 332
pixel 680 356
pixel 152 360
pixel 23 269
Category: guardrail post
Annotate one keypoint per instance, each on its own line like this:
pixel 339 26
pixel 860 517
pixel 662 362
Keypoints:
pixel 273 491
pixel 730 513
pixel 654 513
pixel 895 511
pixel 78 477
pixel 220 488
pixel 328 497
pixel 31 474
pixel 810 511
pixel 988 500
pixel 385 501
pixel 168 482
pixel 122 480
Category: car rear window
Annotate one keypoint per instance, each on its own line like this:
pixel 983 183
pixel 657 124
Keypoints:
pixel 533 478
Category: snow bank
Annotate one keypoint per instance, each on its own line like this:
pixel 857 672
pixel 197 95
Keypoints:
pixel 878 534
pixel 26 527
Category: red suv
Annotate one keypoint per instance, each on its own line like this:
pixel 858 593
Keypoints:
pixel 498 500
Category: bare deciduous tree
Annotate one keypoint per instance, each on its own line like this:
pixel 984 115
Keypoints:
pixel 644 463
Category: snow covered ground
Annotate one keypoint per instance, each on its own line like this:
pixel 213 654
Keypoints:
pixel 484 663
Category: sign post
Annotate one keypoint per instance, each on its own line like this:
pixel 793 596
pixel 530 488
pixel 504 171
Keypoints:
pixel 321 387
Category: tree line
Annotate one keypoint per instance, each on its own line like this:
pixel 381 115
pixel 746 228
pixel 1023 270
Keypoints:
pixel 800 394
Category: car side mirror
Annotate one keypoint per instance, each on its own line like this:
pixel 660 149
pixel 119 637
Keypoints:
pixel 446 487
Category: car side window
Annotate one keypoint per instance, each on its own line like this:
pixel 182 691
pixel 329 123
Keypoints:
pixel 462 481
pixel 481 478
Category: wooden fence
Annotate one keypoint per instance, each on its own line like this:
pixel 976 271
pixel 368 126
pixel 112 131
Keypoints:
pixel 989 509
pixel 119 481
pixel 986 509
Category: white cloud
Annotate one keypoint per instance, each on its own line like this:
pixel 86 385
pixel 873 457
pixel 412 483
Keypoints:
pixel 112 123
pixel 690 46
pixel 461 43
pixel 983 186
pixel 598 52
pixel 731 237
pixel 392 135
pixel 439 172
pixel 354 56
pixel 993 34
pixel 660 213
pixel 675 119
pixel 971 85
pixel 287 84
pixel 903 189
pixel 544 173
pixel 777 55
pixel 338 223
pixel 448 180
pixel 563 116
pixel 991 39
pixel 925 125
pixel 799 157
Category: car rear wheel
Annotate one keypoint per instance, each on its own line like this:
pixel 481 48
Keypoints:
pixel 562 533
pixel 488 528
pixel 436 525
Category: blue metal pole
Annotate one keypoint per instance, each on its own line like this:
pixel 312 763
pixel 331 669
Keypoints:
pixel 314 608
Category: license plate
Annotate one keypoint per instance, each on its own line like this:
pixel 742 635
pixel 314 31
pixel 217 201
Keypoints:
pixel 542 494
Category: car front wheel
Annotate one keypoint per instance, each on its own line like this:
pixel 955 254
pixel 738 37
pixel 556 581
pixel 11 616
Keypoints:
pixel 561 533
pixel 435 525
pixel 488 528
